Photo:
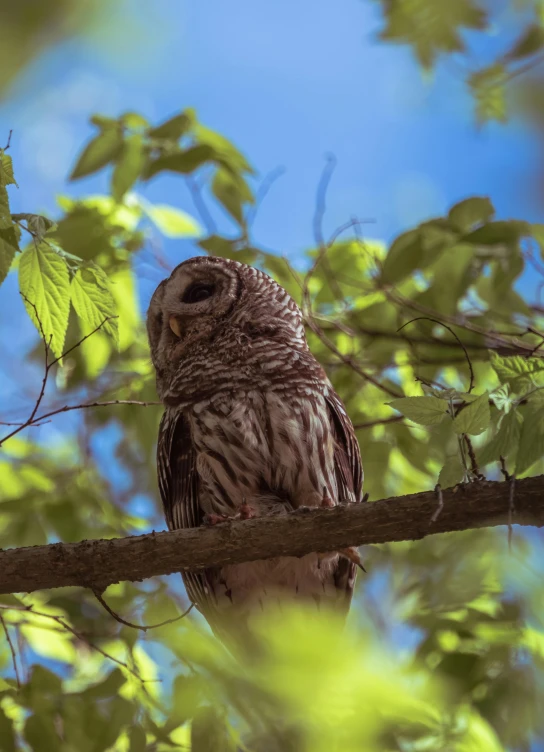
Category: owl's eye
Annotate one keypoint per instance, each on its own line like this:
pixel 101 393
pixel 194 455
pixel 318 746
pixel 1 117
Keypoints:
pixel 197 292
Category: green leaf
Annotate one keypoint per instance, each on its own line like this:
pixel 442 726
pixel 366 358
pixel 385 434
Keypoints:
pixel 8 247
pixel 507 233
pixel 6 170
pixel 467 214
pixel 137 739
pixel 40 733
pixel 134 120
pixel 45 282
pixel 427 411
pixel 502 399
pixel 531 443
pixel 488 88
pixel 172 222
pixel 232 191
pixel 515 369
pixel 474 418
pixel 505 442
pixel 93 301
pixel 530 42
pixel 452 472
pixel 209 732
pixel 128 166
pixel 174 128
pixel 431 27
pixel 37 224
pixel 183 162
pixel 404 257
pixel 103 149
pixel 7 735
pixel 224 150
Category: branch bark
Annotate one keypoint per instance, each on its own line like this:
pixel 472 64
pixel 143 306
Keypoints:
pixel 99 563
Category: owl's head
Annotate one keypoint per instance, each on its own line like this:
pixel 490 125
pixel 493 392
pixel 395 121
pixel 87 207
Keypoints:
pixel 207 292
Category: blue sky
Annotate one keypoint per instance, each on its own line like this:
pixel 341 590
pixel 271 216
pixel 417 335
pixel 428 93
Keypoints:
pixel 289 83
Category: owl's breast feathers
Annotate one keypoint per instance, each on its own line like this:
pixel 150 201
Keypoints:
pixel 255 420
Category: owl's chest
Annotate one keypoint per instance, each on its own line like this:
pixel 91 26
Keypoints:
pixel 256 443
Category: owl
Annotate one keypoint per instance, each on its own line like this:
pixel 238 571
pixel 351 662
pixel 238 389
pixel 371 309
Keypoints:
pixel 252 427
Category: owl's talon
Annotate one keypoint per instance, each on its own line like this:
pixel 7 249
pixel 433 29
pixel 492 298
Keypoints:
pixel 246 512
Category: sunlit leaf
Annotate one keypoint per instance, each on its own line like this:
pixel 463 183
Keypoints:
pixel 530 42
pixel 488 88
pixel 427 411
pixel 174 128
pixel 8 248
pixel 173 222
pixel 103 149
pixel 506 440
pixel 474 418
pixel 93 301
pixel 128 165
pixel 452 472
pixel 467 214
pixel 531 443
pixel 183 162
pixel 515 369
pixel 6 170
pixel 44 281
pixel 431 27
pixel 232 191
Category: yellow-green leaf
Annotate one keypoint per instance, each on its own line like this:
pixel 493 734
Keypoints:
pixel 128 166
pixel 6 170
pixel 428 411
pixel 98 152
pixel 8 247
pixel 474 418
pixel 45 282
pixel 531 442
pixel 93 301
pixel 172 222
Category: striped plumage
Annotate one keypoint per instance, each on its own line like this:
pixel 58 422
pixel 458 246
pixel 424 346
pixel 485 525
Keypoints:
pixel 251 419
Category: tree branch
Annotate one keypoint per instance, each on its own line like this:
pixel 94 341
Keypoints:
pixel 99 563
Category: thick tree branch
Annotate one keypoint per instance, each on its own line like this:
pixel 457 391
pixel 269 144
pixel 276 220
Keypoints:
pixel 99 563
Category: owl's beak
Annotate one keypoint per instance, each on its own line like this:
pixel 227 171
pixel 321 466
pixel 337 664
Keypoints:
pixel 174 326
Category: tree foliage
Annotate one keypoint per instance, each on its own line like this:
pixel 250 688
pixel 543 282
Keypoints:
pixel 434 346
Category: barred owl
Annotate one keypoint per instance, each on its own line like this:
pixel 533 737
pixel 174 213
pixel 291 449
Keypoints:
pixel 252 426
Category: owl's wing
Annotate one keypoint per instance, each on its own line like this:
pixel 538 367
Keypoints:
pixel 179 488
pixel 177 475
pixel 347 456
pixel 349 480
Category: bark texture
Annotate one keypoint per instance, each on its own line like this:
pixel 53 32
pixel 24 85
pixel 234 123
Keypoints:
pixel 99 563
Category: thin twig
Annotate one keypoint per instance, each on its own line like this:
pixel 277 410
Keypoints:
pixel 11 647
pixel 142 627
pixel 473 461
pixel 62 623
pixel 200 205
pixel 6 147
pixel 32 420
pixel 262 192
pixel 450 330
